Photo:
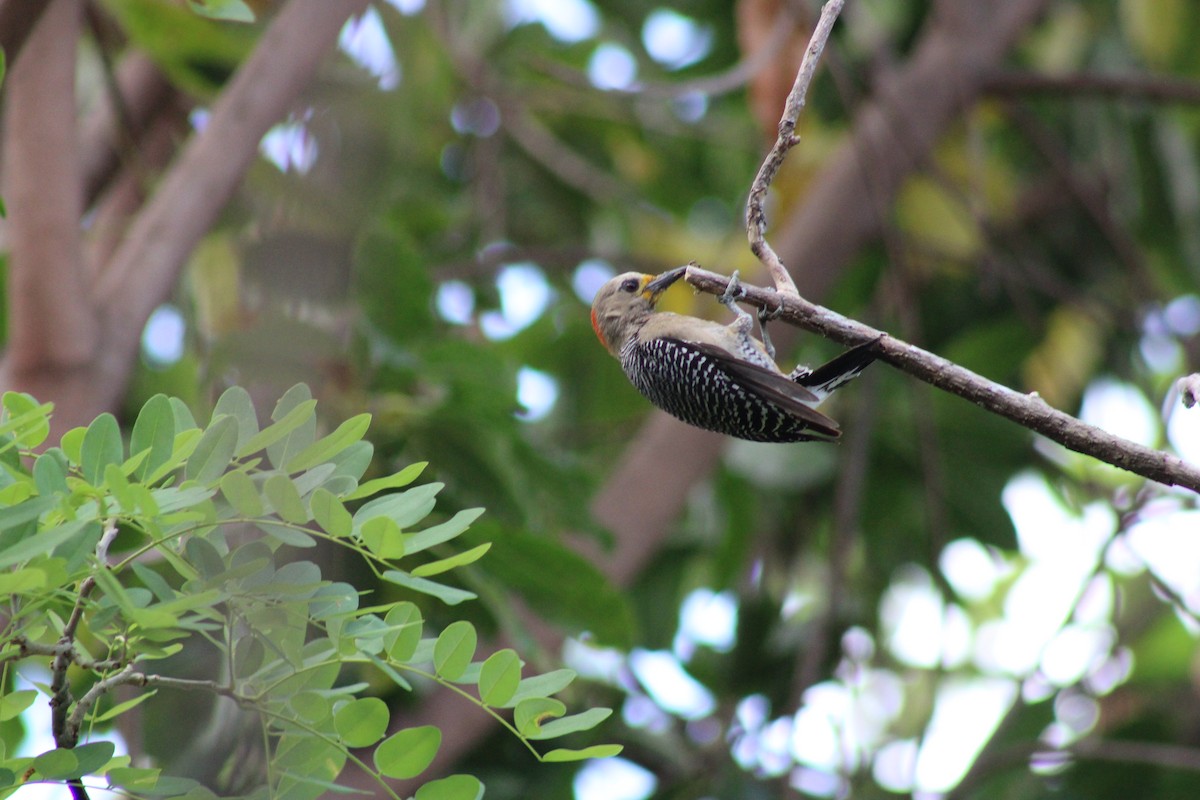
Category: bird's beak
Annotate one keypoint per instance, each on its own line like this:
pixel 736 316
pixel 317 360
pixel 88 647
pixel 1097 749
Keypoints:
pixel 659 284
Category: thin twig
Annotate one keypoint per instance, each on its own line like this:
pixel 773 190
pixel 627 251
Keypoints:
pixel 1027 410
pixel 92 696
pixel 756 215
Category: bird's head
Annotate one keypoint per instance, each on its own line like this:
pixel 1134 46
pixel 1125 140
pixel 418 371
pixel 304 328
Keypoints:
pixel 624 303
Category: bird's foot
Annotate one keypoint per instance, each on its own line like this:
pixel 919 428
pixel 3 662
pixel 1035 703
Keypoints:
pixel 733 292
pixel 744 323
pixel 765 315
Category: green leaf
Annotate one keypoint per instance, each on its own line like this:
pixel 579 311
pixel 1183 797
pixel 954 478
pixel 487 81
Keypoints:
pixel 235 401
pixel 387 670
pixel 268 436
pixel 225 10
pixel 438 534
pixel 14 493
pixel 447 594
pixel 101 446
pixel 595 751
pixel 405 624
pixel 240 492
pixel 26 418
pixel 409 752
pixel 330 514
pixel 42 542
pixel 57 764
pixel 184 421
pixel 499 677
pixel 350 464
pixel 13 703
pixel 404 508
pixel 284 449
pixel 320 451
pixel 449 563
pixel 542 685
pixel 402 478
pixel 153 431
pixel 286 534
pixel 383 537
pixel 454 649
pixel 204 557
pixel 528 714
pixel 452 787
pixel 154 582
pixel 574 723
pixel 332 601
pixel 50 473
pixel 214 451
pixel 121 708
pixel 94 756
pixel 135 779
pixel 282 494
pixel 362 722
pixel 26 511
pixel 72 444
pixel 183 446
pixel 117 484
pixel 23 581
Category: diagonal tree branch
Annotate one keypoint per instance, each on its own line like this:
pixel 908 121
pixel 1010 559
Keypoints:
pixel 146 265
pixel 214 161
pixel 17 19
pixel 1027 410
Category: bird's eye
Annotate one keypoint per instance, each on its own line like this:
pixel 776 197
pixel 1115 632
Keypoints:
pixel 630 285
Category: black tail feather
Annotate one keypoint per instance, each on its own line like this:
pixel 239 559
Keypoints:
pixel 840 370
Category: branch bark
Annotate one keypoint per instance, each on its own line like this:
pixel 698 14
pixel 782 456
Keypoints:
pixel 52 324
pixel 17 20
pixel 146 266
pixel 1029 411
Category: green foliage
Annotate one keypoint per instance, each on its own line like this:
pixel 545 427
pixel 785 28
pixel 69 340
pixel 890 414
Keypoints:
pixel 228 10
pixel 117 558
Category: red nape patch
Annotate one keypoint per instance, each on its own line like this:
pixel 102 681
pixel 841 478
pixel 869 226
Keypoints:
pixel 596 328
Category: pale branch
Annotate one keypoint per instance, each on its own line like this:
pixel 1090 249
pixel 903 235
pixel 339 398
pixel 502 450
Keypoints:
pixel 84 704
pixel 192 685
pixel 66 734
pixel 1027 410
pixel 756 215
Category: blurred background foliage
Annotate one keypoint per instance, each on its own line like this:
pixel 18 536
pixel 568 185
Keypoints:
pixel 421 240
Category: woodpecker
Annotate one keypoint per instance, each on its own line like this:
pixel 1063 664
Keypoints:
pixel 714 376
